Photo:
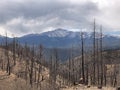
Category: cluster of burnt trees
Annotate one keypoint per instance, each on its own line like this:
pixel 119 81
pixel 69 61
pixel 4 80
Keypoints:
pixel 89 68
pixel 26 62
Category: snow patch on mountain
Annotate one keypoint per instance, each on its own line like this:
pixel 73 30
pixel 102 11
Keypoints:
pixel 57 33
pixel 64 33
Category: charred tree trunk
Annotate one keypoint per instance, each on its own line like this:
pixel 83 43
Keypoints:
pixel 7 56
pixel 101 57
pixel 94 55
pixel 14 50
pixel 83 69
pixel 97 55
pixel 39 62
pixel 31 70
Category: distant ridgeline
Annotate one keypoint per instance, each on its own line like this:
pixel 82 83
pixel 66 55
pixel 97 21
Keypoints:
pixel 64 40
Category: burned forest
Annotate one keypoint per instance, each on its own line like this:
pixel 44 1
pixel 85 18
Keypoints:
pixel 27 68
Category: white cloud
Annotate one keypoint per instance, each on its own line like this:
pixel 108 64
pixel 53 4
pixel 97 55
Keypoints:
pixel 3 32
pixel 110 14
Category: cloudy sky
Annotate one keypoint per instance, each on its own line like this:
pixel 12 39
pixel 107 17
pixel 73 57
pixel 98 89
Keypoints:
pixel 20 17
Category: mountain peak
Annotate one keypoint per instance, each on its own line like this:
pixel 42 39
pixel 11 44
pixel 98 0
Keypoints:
pixel 60 29
pixel 57 33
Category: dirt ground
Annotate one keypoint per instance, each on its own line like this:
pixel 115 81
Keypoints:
pixel 11 82
pixel 81 87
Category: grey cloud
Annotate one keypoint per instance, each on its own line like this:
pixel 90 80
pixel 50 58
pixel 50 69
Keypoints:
pixel 45 14
pixel 29 9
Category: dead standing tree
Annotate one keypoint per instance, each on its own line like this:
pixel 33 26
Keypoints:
pixel 98 61
pixel 54 66
pixel 27 62
pixel 7 55
pixel 101 58
pixel 40 55
pixel 31 67
pixel 94 54
pixel 14 50
pixel 83 69
pixel 1 59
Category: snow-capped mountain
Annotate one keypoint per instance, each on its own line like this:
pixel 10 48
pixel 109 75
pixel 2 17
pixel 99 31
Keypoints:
pixel 62 33
pixel 56 33
pixel 64 39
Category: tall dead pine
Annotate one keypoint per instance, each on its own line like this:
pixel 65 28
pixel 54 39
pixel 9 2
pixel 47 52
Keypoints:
pixel 101 58
pixel 83 69
pixel 7 55
pixel 94 55
pixel 31 67
pixel 39 63
pixel 14 50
